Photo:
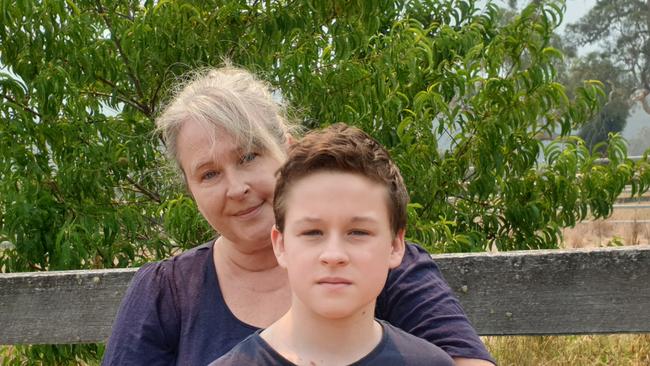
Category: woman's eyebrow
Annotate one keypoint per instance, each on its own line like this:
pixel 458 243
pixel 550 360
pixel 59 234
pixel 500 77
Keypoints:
pixel 200 164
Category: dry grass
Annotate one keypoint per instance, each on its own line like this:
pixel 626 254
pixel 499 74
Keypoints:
pixel 615 350
pixel 629 226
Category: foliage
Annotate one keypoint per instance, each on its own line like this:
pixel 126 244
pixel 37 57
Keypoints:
pixel 456 96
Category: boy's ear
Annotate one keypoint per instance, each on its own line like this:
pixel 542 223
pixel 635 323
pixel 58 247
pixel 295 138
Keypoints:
pixel 277 238
pixel 398 246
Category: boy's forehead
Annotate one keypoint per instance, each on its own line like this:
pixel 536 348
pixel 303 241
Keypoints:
pixel 348 191
pixel 328 180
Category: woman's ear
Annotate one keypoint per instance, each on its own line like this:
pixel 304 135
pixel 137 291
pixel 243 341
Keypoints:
pixel 290 139
pixel 277 238
pixel 398 246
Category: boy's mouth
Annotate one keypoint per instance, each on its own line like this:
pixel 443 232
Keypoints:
pixel 334 281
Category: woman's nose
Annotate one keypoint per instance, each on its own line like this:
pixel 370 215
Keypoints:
pixel 237 186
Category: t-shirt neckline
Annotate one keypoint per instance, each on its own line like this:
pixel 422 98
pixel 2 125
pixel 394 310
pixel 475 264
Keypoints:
pixel 214 279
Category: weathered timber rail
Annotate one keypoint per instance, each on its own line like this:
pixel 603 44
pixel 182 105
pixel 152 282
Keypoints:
pixel 605 290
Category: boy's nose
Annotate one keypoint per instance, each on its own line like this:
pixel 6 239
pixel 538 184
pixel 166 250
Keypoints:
pixel 334 254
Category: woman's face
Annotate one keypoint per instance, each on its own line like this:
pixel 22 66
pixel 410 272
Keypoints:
pixel 233 188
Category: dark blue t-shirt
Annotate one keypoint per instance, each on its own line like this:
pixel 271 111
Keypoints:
pixel 174 313
pixel 396 347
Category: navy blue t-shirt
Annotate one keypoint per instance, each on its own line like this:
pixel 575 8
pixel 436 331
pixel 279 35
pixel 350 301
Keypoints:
pixel 174 313
pixel 396 347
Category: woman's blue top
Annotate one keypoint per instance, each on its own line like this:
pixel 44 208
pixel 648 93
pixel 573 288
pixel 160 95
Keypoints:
pixel 174 313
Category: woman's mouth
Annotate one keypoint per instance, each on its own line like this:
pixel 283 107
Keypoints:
pixel 248 212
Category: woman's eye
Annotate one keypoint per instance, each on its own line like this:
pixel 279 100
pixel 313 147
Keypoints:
pixel 208 175
pixel 248 157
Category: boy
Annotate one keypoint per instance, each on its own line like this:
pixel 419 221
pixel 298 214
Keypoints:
pixel 340 210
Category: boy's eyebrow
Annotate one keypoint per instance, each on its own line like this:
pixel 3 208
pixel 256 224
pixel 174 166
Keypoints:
pixel 355 219
pixel 308 220
pixel 363 219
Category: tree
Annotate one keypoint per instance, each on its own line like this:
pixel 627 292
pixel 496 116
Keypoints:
pixel 82 183
pixel 622 29
pixel 617 85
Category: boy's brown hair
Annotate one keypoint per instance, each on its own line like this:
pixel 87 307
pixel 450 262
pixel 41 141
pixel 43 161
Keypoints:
pixel 342 148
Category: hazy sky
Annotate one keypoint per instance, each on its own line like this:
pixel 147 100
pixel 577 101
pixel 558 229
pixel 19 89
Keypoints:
pixel 575 9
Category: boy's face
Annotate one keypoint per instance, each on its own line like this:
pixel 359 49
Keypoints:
pixel 337 243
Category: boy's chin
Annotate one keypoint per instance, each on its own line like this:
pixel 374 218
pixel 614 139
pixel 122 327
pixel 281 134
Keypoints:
pixel 335 314
pixel 341 312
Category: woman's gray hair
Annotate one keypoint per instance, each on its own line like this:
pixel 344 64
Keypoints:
pixel 228 99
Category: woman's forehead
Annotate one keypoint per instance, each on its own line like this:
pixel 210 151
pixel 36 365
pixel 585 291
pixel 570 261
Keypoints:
pixel 214 134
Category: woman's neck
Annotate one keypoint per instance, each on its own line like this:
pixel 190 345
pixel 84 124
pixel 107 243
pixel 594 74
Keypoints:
pixel 254 287
pixel 305 338
pixel 240 260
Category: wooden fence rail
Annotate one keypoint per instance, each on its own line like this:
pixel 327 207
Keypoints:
pixel 515 293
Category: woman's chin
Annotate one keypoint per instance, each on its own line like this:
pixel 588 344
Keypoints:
pixel 251 242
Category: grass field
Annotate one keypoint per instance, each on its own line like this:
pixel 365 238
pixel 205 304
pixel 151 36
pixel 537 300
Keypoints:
pixel 614 350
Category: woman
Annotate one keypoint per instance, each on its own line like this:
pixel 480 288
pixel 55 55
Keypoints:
pixel 228 137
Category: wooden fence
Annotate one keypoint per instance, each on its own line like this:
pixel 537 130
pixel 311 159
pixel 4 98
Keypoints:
pixel 605 290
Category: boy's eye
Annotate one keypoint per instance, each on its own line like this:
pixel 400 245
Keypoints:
pixel 311 233
pixel 248 157
pixel 359 232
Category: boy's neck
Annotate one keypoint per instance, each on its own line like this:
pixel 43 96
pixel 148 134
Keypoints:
pixel 306 338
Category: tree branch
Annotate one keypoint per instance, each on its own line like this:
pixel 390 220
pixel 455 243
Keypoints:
pixel 128 101
pixel 125 16
pixel 125 59
pixel 26 108
pixel 641 96
pixel 154 97
pixel 153 195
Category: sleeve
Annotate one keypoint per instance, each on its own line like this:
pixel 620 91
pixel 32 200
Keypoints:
pixel 417 299
pixel 146 329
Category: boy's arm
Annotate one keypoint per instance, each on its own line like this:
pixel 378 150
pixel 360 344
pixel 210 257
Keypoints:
pixel 417 299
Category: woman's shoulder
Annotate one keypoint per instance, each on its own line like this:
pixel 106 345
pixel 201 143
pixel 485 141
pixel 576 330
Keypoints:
pixel 171 278
pixel 178 265
pixel 418 300
pixel 416 261
pixel 412 350
pixel 414 251
pixel 416 279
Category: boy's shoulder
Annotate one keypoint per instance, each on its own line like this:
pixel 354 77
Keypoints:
pixel 398 347
pixel 252 351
